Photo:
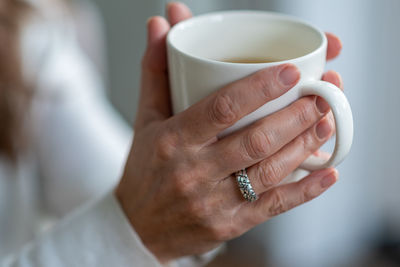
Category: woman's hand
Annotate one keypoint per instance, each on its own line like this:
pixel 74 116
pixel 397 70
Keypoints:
pixel 178 190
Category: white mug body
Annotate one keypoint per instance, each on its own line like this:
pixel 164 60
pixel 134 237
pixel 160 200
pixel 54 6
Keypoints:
pixel 198 47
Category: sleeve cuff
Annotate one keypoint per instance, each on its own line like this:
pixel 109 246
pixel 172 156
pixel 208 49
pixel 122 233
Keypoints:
pixel 98 234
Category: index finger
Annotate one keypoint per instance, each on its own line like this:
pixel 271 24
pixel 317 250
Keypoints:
pixel 204 120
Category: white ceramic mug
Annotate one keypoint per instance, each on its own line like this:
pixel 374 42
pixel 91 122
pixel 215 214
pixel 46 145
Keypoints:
pixel 197 46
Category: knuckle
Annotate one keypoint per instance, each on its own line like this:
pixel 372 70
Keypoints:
pixel 198 210
pixel 223 110
pixel 221 232
pixel 304 115
pixel 309 193
pixel 182 184
pixel 234 231
pixel 278 203
pixel 308 141
pixel 262 81
pixel 166 145
pixel 257 144
pixel 271 173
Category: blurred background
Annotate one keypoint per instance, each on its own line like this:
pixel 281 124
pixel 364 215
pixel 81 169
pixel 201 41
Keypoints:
pixel 357 222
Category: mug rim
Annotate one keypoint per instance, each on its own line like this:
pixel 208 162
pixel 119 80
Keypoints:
pixel 218 15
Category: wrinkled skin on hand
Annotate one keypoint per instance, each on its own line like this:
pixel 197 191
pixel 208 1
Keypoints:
pixel 178 191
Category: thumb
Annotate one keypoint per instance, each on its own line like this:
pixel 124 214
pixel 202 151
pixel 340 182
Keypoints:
pixel 154 101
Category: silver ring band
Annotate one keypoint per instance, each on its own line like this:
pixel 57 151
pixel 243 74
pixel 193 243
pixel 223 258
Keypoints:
pixel 245 186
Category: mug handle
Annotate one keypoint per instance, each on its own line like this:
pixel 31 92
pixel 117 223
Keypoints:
pixel 343 118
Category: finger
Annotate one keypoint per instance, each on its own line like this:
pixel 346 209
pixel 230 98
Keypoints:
pixel 322 154
pixel 265 137
pixel 270 172
pixel 285 197
pixel 205 119
pixel 333 77
pixel 177 12
pixel 334 46
pixel 154 100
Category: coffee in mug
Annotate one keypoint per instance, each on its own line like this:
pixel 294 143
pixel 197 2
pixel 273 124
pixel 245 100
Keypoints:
pixel 250 60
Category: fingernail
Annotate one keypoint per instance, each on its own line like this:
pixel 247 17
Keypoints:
pixel 289 75
pixel 322 105
pixel 323 129
pixel 328 180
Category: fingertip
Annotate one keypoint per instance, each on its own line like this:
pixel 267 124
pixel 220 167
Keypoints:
pixel 329 177
pixel 322 154
pixel 324 129
pixel 156 20
pixel 336 41
pixel 323 172
pixel 334 46
pixel 155 55
pixel 333 77
pixel 177 11
pixel 157 27
pixel 288 74
pixel 334 172
pixel 176 4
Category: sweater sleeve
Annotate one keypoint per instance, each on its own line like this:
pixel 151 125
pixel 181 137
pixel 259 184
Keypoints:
pixel 97 234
